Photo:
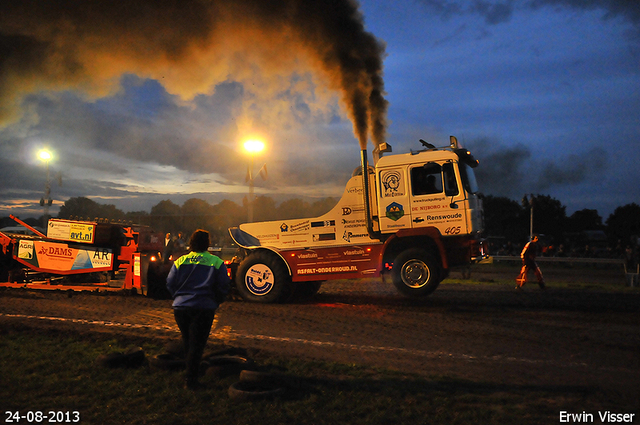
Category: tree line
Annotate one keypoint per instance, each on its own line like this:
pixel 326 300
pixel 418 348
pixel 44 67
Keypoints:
pixel 582 234
pixel 169 217
pixel 507 222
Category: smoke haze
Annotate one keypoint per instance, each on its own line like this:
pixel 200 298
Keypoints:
pixel 190 46
pixel 536 175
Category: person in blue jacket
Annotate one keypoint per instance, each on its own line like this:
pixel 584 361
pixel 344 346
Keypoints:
pixel 198 283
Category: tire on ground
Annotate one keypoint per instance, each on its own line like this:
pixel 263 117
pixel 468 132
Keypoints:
pixel 415 273
pixel 262 277
pixel 227 365
pixel 129 359
pixel 175 348
pixel 167 361
pixel 252 391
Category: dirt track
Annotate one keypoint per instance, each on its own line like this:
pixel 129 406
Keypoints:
pixel 563 338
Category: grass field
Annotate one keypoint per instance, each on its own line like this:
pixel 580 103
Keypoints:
pixel 55 371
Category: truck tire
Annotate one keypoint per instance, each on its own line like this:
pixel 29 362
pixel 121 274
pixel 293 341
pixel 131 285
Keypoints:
pixel 262 278
pixel 415 273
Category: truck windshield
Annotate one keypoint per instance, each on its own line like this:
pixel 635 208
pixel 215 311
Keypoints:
pixel 468 178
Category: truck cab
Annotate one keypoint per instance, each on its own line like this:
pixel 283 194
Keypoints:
pixel 428 188
pixel 414 217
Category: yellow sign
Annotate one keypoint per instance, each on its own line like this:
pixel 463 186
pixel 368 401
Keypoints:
pixel 69 231
pixel 81 232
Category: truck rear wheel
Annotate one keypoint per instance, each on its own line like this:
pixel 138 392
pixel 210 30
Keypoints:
pixel 415 273
pixel 262 277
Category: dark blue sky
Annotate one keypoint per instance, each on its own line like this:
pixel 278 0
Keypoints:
pixel 546 94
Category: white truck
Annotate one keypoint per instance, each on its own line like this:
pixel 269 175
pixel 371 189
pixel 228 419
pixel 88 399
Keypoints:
pixel 415 217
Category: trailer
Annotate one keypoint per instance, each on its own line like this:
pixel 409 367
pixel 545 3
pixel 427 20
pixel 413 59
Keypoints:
pixel 78 252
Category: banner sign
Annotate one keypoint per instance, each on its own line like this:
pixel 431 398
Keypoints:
pixel 62 258
pixel 68 231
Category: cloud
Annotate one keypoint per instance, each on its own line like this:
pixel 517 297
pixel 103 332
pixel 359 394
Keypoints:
pixel 124 91
pixel 493 12
pixel 498 12
pixel 110 126
pixel 628 9
pixel 190 46
pixel 198 136
pixel 444 8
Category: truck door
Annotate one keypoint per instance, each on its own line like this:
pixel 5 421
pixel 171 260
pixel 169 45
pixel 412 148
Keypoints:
pixel 434 188
pixel 393 203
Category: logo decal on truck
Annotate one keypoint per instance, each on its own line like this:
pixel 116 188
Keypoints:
pixel 324 237
pixel 392 183
pixel 295 227
pixel 325 223
pixel 259 279
pixel 395 211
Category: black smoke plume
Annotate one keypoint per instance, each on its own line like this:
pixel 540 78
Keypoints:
pixel 189 46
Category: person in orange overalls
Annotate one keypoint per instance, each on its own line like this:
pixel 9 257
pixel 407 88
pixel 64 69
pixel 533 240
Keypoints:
pixel 528 256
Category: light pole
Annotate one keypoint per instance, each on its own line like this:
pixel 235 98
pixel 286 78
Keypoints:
pixel 46 202
pixel 529 203
pixel 253 147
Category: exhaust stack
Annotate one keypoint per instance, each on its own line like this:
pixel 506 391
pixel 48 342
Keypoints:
pixel 365 196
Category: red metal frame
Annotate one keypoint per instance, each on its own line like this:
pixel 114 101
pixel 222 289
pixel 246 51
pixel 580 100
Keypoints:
pixel 126 256
pixel 34 230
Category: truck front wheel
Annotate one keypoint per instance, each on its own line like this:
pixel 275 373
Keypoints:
pixel 415 273
pixel 262 277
